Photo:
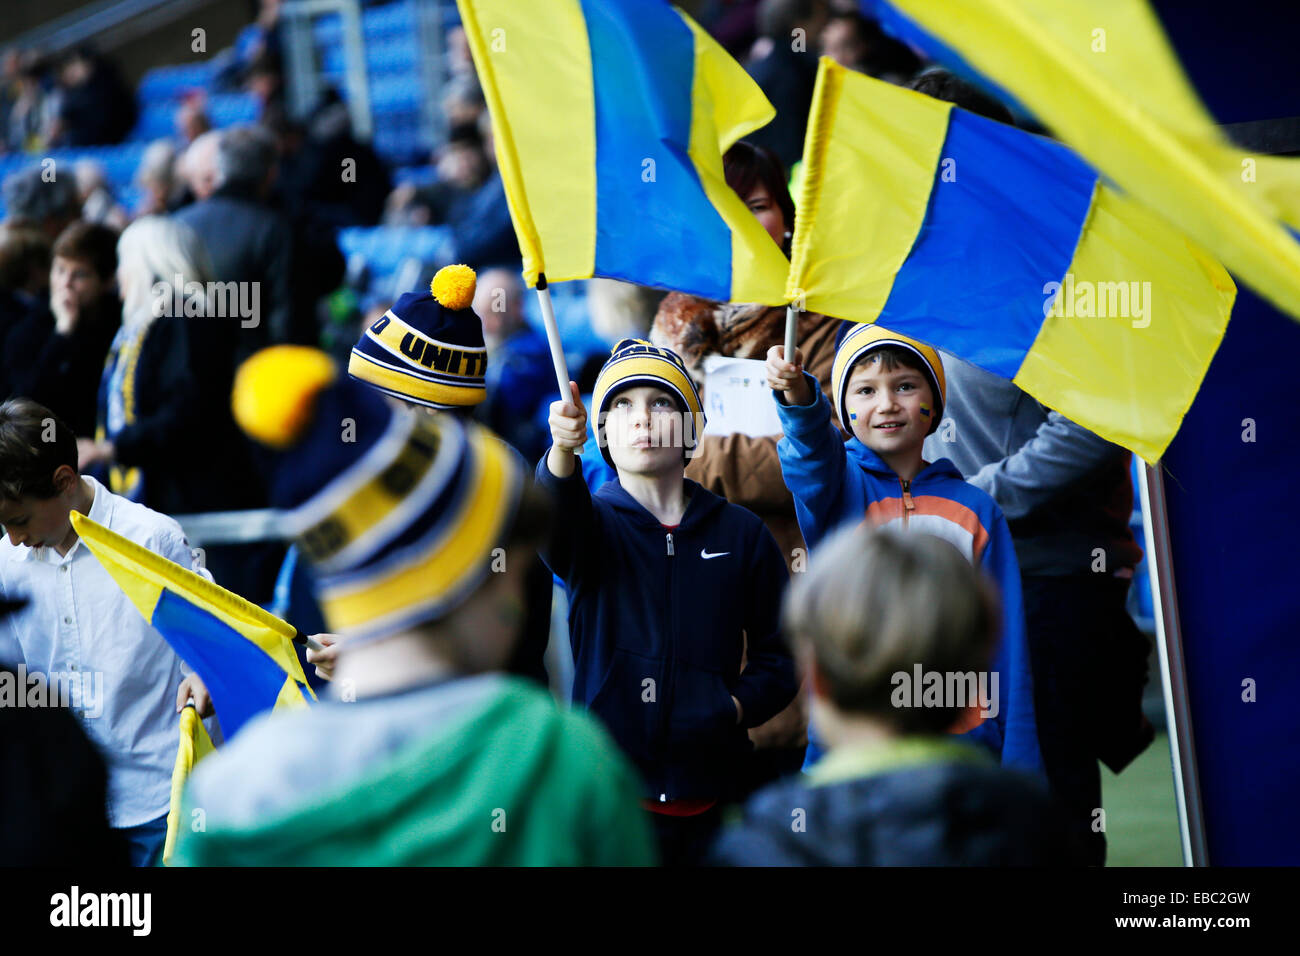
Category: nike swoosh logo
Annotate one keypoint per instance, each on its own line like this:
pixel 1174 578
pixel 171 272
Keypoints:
pixel 706 556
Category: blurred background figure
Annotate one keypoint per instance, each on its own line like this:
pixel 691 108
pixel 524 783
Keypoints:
pixel 857 43
pixel 783 63
pixel 98 204
pixel 520 377
pixel 247 240
pixel 462 166
pixel 24 279
pixel 56 353
pixel 94 103
pixel 160 190
pixel 43 197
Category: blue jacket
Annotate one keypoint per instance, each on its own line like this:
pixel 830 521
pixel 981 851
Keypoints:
pixel 834 481
pixel 659 620
pixel 946 811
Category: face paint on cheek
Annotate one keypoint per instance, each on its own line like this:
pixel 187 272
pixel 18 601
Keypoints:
pixel 853 416
pixel 925 410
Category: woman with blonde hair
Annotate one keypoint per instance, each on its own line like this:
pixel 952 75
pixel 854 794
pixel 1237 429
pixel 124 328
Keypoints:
pixel 165 433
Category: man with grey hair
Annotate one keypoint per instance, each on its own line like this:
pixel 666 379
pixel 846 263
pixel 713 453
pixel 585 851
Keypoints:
pixel 41 197
pixel 248 240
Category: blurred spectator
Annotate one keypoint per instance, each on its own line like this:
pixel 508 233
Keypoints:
pixel 947 86
pixel 196 167
pixel 24 279
pixel 166 434
pixel 156 177
pixel 95 105
pixel 784 65
pixel 265 80
pixel 97 202
pixel 192 118
pixel 463 101
pixel 246 239
pixel 462 167
pixel 857 43
pixel 55 355
pixel 341 179
pixel 256 47
pixel 621 310
pixel 520 376
pixel 482 232
pixel 25 116
pixel 38 196
pixel 460 62
pixel 733 23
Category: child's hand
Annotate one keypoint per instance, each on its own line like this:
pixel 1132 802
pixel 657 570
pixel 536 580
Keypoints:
pixel 193 687
pixel 324 658
pixel 568 423
pixel 787 378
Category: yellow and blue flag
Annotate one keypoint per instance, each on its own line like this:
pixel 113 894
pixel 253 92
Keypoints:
pixel 244 655
pixel 611 118
pixel 1007 250
pixel 194 746
pixel 1104 78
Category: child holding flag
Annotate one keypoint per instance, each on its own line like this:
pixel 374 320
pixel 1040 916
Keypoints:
pixel 670 586
pixel 889 389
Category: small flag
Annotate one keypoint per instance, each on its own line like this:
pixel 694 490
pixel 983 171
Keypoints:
pixel 244 655
pixel 195 745
pixel 610 120
pixel 1104 78
pixel 1007 250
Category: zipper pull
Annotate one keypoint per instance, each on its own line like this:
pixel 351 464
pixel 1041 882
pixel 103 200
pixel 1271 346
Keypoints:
pixel 907 495
pixel 670 544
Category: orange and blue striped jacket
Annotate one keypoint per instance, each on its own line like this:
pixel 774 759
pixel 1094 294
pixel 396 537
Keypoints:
pixel 834 481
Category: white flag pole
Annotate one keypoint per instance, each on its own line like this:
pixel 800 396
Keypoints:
pixel 553 338
pixel 791 326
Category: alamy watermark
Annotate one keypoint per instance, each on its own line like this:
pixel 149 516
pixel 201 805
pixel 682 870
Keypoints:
pixel 954 689
pixel 1086 300
pixel 82 691
pixel 212 300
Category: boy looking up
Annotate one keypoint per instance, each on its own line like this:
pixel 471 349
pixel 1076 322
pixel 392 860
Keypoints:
pixel 670 588
pixel 890 392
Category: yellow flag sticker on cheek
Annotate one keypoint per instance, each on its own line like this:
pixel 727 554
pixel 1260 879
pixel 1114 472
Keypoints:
pixel 925 410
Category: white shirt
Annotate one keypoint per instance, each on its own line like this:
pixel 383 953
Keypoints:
pixel 81 628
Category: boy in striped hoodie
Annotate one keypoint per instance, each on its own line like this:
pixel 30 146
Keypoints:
pixel 890 392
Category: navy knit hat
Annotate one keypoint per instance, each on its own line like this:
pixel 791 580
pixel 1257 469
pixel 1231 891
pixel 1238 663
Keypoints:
pixel 397 512
pixel 638 362
pixel 428 348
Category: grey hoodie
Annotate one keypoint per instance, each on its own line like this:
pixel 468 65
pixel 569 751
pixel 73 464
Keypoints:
pixel 1065 491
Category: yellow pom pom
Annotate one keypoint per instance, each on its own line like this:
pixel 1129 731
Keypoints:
pixel 454 286
pixel 275 392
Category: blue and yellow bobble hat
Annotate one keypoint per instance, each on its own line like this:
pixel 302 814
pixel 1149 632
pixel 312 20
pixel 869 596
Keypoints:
pixel 638 362
pixel 857 340
pixel 428 348
pixel 398 512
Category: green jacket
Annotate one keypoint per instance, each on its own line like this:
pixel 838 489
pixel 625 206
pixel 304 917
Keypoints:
pixel 508 779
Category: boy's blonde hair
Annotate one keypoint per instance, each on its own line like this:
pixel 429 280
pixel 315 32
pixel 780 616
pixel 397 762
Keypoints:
pixel 875 603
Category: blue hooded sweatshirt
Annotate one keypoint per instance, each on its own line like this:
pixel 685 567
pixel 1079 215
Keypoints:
pixel 834 481
pixel 659 621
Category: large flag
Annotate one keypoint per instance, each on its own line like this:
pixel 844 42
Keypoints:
pixel 243 654
pixel 195 745
pixel 611 118
pixel 1007 250
pixel 1103 77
